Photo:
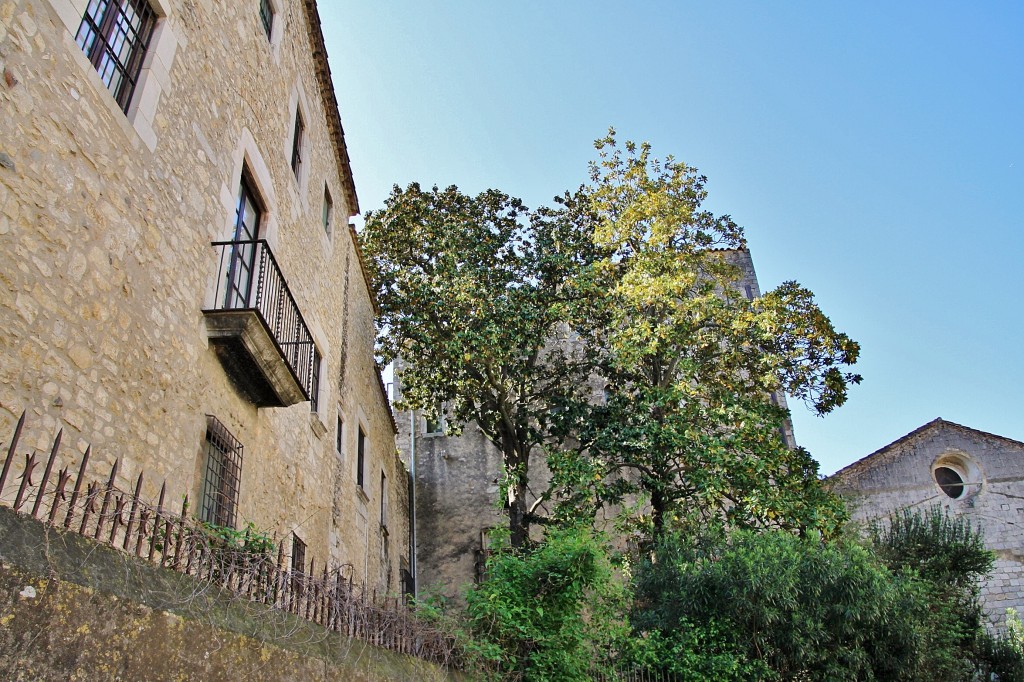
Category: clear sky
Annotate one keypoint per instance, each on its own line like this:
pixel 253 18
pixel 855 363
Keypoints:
pixel 874 152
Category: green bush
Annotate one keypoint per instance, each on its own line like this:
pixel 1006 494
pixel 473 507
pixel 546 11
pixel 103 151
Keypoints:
pixel 546 612
pixel 774 606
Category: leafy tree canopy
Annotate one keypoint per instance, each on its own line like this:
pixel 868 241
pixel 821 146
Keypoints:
pixel 693 362
pixel 472 289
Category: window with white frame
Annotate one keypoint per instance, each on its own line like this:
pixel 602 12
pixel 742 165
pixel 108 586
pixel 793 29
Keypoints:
pixel 339 440
pixel 384 501
pixel 297 145
pixel 328 209
pixel 361 458
pixel 267 17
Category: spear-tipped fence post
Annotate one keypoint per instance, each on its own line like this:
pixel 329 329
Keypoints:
pixel 156 523
pixel 106 498
pixel 26 479
pixel 58 494
pixel 10 452
pixel 78 487
pixel 131 514
pixel 46 472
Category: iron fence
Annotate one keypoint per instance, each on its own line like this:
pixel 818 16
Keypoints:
pixel 99 510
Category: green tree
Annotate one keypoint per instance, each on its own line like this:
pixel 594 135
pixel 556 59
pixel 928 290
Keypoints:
pixel 472 290
pixel 691 364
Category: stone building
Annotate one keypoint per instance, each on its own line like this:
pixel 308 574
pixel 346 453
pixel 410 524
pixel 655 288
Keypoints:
pixel 456 483
pixel 181 287
pixel 971 473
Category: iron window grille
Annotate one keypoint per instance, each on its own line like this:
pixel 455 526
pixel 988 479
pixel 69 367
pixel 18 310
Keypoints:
pixel 221 475
pixel 298 565
pixel 360 458
pixel 115 35
pixel 297 144
pixel 267 17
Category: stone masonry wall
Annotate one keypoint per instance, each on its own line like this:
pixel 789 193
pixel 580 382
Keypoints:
pixel 72 610
pixel 900 476
pixel 106 265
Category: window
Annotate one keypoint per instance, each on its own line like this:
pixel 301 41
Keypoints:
pixel 360 457
pixel 298 554
pixel 338 440
pixel 384 501
pixel 950 481
pixel 314 386
pixel 297 145
pixel 298 566
pixel 435 425
pixel 328 209
pixel 114 35
pixel 243 251
pixel 221 475
pixel 267 17
pixel 958 475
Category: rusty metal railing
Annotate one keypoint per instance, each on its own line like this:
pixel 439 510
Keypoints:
pixel 64 497
pixel 249 278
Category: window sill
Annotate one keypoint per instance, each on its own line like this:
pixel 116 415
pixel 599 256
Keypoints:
pixel 318 427
pixel 362 494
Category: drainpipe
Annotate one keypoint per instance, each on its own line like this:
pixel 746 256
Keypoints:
pixel 412 501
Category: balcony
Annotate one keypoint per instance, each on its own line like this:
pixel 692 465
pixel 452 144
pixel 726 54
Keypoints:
pixel 256 328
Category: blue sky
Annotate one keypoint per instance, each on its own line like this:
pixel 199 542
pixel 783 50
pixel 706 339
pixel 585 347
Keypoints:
pixel 873 151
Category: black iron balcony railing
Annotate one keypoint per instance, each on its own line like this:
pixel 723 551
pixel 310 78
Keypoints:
pixel 250 280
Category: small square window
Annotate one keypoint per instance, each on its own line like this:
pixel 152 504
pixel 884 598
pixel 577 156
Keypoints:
pixel 267 17
pixel 297 145
pixel 328 210
pixel 221 475
pixel 115 36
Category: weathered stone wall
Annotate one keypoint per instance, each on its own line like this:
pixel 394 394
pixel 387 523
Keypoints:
pixel 901 476
pixel 106 264
pixel 70 609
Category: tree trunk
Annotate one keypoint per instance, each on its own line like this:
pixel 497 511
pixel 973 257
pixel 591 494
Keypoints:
pixel 658 511
pixel 517 470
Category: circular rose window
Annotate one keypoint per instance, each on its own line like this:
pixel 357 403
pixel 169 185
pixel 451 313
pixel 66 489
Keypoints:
pixel 950 482
pixel 957 475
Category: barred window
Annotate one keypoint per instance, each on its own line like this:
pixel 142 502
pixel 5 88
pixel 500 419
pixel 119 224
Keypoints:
pixel 267 17
pixel 221 475
pixel 298 566
pixel 114 35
